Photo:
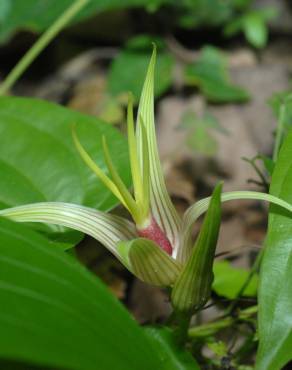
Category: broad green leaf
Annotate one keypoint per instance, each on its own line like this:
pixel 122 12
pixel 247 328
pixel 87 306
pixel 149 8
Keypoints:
pixel 192 288
pixel 127 72
pixel 209 73
pixel 275 290
pixel 55 313
pixel 173 356
pixel 149 262
pixel 228 280
pixel 38 160
pixel 38 15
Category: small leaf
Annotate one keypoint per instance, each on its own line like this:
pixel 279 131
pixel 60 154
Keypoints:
pixel 131 63
pixel 193 287
pixel 210 74
pixel 228 280
pixel 149 262
pixel 255 29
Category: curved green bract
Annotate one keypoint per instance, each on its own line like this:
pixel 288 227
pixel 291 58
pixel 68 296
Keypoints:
pixel 161 206
pixel 199 208
pixel 108 229
pixel 149 262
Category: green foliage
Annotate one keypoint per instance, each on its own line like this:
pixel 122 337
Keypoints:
pixel 279 99
pixel 229 280
pixel 275 293
pixel 210 75
pixel 199 131
pixel 39 162
pixel 55 313
pixel 128 68
pixel 173 356
pixel 254 26
pixel 38 15
pixel 209 13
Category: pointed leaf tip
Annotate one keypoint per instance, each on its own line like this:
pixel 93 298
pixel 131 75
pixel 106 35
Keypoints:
pixel 193 287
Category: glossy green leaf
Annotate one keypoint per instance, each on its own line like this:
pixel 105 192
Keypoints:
pixel 38 15
pixel 53 312
pixel 173 356
pixel 228 280
pixel 134 62
pixel 210 75
pixel 38 160
pixel 193 286
pixel 275 290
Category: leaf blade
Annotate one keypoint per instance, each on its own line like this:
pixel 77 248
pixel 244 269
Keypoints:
pixel 50 314
pixel 275 296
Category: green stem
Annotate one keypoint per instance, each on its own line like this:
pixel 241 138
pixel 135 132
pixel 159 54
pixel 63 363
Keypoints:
pixel 182 323
pixel 253 270
pixel 40 45
pixel 213 327
pixel 279 132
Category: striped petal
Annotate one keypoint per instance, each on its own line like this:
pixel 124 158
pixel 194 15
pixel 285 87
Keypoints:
pixel 149 262
pixel 196 210
pixel 161 206
pixel 108 229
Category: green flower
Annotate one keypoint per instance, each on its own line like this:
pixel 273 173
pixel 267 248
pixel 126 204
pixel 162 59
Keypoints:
pixel 157 246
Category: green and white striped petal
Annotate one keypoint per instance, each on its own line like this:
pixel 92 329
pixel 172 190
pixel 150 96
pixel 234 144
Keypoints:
pixel 149 262
pixel 161 206
pixel 108 229
pixel 199 208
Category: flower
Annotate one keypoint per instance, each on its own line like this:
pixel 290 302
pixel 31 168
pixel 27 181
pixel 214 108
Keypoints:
pixel 157 246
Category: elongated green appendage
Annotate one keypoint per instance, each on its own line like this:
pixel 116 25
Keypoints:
pixel 106 228
pixel 96 169
pixel 133 151
pixel 199 208
pixel 161 206
pixel 128 199
pixel 193 287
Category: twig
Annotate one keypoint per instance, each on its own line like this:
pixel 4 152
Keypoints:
pixel 40 45
pixel 222 323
